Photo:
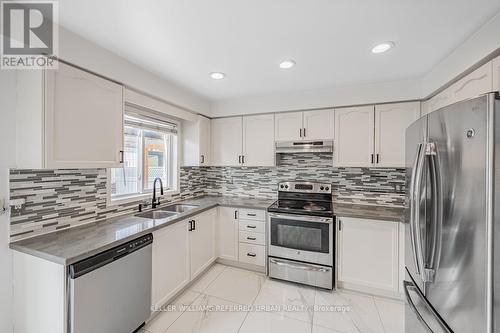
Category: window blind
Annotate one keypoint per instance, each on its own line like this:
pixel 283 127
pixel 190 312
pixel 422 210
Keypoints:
pixel 148 120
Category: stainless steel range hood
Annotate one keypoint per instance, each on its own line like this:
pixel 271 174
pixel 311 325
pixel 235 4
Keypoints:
pixel 318 146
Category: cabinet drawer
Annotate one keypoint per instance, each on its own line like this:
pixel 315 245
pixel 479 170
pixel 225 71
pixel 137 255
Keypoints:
pixel 253 254
pixel 252 237
pixel 253 226
pixel 252 214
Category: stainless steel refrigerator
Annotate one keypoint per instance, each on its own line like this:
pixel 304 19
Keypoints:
pixel 452 259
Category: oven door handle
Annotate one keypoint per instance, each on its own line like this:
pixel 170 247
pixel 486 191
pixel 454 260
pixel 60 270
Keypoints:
pixel 302 218
pixel 305 267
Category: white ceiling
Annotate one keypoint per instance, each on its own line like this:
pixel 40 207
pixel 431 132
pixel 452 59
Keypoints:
pixel 184 40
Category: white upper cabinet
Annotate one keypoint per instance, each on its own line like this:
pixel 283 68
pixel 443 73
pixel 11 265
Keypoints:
pixel 481 81
pixel 318 125
pixel 476 83
pixel 288 126
pixel 70 118
pixel 307 125
pixel 258 140
pixel 196 142
pixel 496 74
pixel 391 121
pixel 354 135
pixel 368 254
pixel 227 140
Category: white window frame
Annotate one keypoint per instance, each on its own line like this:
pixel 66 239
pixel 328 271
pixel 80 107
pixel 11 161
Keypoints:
pixel 110 201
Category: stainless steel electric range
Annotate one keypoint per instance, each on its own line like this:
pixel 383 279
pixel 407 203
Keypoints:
pixel 301 234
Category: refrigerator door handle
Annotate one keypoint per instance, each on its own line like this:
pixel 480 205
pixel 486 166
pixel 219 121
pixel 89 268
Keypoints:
pixel 434 322
pixel 437 212
pixel 414 208
pixel 416 214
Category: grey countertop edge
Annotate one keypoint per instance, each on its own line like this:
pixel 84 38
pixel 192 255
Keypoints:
pixel 345 210
pixel 249 203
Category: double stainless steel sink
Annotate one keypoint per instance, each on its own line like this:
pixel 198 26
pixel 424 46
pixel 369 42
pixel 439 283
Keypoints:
pixel 166 212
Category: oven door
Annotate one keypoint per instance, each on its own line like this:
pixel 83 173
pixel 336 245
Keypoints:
pixel 302 238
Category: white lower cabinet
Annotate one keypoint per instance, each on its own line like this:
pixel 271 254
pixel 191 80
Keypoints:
pixel 170 262
pixel 252 254
pixel 368 255
pixel 202 241
pixel 227 233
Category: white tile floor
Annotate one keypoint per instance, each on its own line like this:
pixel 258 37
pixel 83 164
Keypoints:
pixel 231 300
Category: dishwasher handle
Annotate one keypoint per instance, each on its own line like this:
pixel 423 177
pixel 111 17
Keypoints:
pixel 87 265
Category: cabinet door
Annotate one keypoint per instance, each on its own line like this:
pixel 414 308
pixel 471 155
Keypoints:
pixel 226 141
pixel 227 233
pixel 496 74
pixel 476 83
pixel 288 126
pixel 318 125
pixel 442 99
pixel 202 242
pixel 354 134
pixel 369 253
pixel 391 121
pixel 258 140
pixel 83 120
pixel 204 141
pixel 170 262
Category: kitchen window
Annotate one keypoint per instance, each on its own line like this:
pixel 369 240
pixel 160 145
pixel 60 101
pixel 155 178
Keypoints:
pixel 150 151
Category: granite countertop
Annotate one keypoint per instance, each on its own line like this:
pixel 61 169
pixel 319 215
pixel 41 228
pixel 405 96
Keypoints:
pixel 71 245
pixel 393 214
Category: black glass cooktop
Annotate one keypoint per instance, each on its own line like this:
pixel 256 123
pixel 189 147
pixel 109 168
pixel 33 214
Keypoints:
pixel 303 207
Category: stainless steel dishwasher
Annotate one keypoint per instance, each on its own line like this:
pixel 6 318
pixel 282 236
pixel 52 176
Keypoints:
pixel 111 291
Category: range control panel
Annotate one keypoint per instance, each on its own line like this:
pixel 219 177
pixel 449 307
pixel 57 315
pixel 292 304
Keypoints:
pixel 304 187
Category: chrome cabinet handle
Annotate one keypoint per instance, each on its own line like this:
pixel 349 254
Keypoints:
pixel 242 159
pixel 202 159
pixel 300 132
pixel 305 133
pixel 251 254
pixel 372 158
pixel 302 267
pixel 378 158
pixel 235 214
pixel 121 156
pixel 251 226
pixel 251 214
pixel 251 238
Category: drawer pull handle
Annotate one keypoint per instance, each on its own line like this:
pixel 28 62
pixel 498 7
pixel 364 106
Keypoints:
pixel 251 214
pixel 251 238
pixel 251 226
pixel 251 254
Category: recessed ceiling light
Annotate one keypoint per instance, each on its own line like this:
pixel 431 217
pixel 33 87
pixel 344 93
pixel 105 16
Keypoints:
pixel 217 75
pixel 383 47
pixel 287 64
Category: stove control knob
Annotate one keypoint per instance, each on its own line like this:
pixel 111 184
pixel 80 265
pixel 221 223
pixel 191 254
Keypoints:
pixel 327 188
pixel 322 188
pixel 286 186
pixel 282 186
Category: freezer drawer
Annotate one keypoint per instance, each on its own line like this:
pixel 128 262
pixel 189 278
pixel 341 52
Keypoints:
pixel 420 317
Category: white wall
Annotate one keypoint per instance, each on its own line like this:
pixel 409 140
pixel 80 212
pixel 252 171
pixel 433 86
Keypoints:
pixel 79 51
pixel 320 98
pixel 7 159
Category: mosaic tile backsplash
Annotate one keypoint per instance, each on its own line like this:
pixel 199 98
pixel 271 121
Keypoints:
pixel 58 199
